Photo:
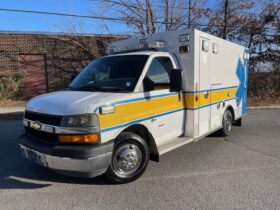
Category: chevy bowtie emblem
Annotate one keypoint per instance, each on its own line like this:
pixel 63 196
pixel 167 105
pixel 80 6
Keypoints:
pixel 36 125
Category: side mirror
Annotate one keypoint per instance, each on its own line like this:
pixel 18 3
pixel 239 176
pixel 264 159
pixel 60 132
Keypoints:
pixel 148 84
pixel 73 76
pixel 175 80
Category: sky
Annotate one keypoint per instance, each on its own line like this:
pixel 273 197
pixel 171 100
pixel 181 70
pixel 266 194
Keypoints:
pixel 10 21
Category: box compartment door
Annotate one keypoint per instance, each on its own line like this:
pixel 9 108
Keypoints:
pixel 204 110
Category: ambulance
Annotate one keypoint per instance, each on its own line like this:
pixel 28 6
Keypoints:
pixel 151 94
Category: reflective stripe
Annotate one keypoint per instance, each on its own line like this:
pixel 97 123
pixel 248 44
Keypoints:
pixel 136 110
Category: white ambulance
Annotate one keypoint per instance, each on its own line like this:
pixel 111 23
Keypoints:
pixel 150 95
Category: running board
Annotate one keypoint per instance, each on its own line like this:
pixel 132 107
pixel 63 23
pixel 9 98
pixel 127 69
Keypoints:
pixel 173 144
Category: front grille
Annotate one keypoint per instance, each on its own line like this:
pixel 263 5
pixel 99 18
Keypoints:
pixel 43 118
pixel 45 137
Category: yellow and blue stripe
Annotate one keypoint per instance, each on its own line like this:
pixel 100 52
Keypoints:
pixel 134 111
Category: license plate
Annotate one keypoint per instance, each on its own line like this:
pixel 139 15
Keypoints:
pixel 34 156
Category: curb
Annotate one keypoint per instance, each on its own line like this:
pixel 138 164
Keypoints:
pixel 264 107
pixel 11 110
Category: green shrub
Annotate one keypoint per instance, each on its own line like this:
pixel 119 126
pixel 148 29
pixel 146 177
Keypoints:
pixel 9 84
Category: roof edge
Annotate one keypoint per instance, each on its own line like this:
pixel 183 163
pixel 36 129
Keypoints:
pixel 61 33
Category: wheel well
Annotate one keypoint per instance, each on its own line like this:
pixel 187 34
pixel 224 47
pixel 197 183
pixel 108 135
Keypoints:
pixel 232 112
pixel 142 131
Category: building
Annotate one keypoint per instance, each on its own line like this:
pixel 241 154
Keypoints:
pixel 48 59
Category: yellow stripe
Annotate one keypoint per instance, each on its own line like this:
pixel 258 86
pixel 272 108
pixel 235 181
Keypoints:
pixel 148 107
pixel 124 113
pixel 213 97
pixel 165 104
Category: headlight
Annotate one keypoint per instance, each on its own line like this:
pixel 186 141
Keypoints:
pixel 82 120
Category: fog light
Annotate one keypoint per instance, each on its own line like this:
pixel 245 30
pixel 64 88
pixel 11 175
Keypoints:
pixel 89 138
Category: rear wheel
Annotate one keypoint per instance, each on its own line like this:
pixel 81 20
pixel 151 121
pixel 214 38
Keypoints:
pixel 130 158
pixel 227 123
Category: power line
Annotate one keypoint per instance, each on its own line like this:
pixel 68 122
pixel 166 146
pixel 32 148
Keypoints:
pixel 61 14
pixel 108 18
pixel 163 6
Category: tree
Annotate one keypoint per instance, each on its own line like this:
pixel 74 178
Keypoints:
pixel 148 18
pixel 196 11
pixel 226 20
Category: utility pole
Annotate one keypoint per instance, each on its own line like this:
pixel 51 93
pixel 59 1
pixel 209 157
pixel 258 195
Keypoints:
pixel 226 17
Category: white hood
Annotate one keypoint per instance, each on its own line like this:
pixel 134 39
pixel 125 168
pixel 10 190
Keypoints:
pixel 68 102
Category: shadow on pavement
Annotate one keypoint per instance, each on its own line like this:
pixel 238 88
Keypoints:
pixel 18 173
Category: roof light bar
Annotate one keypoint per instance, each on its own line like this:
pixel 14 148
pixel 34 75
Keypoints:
pixel 137 47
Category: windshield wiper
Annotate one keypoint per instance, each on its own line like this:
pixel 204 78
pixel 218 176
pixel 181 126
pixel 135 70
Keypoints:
pixel 90 87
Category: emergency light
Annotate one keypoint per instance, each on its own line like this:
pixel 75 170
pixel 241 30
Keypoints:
pixel 143 45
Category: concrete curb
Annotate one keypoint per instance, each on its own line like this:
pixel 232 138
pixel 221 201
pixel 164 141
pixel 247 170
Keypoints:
pixel 264 107
pixel 11 110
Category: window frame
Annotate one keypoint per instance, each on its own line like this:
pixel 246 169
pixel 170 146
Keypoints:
pixel 149 63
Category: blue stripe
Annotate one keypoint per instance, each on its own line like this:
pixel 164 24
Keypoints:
pixel 158 115
pixel 210 90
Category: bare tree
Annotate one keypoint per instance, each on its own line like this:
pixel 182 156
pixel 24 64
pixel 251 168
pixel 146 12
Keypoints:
pixel 226 21
pixel 147 17
pixel 196 10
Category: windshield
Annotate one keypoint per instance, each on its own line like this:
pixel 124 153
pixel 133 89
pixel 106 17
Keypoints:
pixel 112 74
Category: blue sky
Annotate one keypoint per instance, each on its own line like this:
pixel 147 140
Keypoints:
pixel 33 22
pixel 10 21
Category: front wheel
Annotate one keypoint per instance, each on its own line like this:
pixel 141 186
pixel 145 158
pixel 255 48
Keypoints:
pixel 130 158
pixel 227 123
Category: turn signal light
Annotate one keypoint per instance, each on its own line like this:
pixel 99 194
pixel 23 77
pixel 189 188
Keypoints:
pixel 89 138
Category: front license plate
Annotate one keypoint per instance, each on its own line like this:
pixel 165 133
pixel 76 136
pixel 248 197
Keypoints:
pixel 34 156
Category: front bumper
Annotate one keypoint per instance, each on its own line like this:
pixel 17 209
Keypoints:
pixel 71 160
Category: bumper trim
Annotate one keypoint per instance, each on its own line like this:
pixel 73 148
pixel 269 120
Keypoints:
pixel 79 161
pixel 59 129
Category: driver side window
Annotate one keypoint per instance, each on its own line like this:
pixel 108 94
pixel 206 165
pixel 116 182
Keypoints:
pixel 158 73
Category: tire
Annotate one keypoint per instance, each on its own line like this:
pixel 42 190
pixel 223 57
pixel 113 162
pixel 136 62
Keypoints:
pixel 129 160
pixel 227 123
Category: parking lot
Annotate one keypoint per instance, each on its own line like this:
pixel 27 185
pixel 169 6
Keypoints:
pixel 241 171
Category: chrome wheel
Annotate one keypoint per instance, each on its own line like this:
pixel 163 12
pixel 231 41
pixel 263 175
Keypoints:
pixel 127 159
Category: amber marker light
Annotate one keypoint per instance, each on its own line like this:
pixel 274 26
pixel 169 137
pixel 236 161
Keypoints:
pixel 89 138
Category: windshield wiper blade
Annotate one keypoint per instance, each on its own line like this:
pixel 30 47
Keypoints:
pixel 90 87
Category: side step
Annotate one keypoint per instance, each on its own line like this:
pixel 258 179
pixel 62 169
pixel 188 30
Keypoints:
pixel 173 144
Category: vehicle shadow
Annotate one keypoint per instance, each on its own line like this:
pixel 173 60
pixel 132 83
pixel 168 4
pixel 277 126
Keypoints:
pixel 18 173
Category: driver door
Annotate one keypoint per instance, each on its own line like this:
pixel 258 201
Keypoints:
pixel 165 108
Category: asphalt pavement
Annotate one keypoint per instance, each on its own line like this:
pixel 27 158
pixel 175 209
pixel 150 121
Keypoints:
pixel 241 171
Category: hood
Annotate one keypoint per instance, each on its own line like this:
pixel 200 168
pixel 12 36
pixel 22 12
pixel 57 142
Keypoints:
pixel 68 102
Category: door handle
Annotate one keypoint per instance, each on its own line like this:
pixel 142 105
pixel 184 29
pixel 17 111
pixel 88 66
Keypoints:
pixel 206 95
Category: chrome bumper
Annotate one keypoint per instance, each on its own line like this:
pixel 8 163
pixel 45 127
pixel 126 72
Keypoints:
pixel 59 129
pixel 79 167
